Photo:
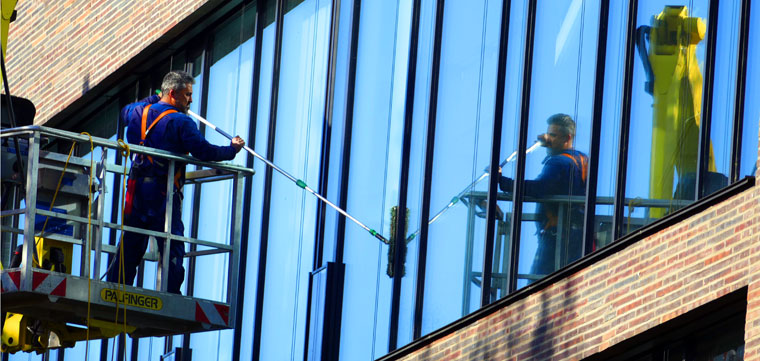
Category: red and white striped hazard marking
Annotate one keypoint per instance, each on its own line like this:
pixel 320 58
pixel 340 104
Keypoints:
pixel 11 281
pixel 212 313
pixel 46 283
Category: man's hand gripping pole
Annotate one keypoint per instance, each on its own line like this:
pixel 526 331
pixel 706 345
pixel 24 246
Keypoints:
pixel 301 184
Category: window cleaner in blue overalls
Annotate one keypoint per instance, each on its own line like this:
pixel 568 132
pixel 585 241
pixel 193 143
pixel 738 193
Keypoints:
pixel 161 123
pixel 564 173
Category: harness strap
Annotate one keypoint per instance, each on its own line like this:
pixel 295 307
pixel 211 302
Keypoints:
pixel 143 131
pixel 583 166
pixel 552 219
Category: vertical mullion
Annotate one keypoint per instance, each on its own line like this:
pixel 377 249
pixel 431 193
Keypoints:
pixel 400 235
pixel 267 201
pixel 498 119
pixel 248 189
pixel 596 128
pixel 427 182
pixel 347 131
pixel 522 141
pixel 625 121
pixel 326 134
pixel 703 156
pixel 324 162
pixel 739 97
pixel 195 219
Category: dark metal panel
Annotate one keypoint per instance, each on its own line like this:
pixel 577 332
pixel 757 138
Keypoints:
pixel 707 100
pixel 522 141
pixel 428 182
pixel 248 188
pixel 348 125
pixel 596 128
pixel 741 87
pixel 400 235
pixel 331 277
pixel 493 181
pixel 267 201
pixel 625 120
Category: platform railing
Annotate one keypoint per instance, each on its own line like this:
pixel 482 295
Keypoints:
pixel 37 159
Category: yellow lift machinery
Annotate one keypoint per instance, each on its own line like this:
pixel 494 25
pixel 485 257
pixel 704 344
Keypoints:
pixel 675 82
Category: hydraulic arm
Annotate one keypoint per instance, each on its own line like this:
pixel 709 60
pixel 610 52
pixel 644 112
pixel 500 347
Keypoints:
pixel 675 82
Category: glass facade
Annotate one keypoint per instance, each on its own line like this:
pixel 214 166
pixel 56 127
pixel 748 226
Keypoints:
pixel 331 91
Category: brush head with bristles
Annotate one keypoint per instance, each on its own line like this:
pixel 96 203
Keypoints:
pixel 394 243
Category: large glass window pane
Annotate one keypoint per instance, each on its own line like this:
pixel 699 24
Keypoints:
pixel 666 110
pixel 257 191
pixel 561 111
pixel 724 94
pixel 337 129
pixel 377 134
pixel 611 114
pixel 751 108
pixel 417 168
pixel 298 138
pixel 464 123
pixel 509 137
pixel 229 107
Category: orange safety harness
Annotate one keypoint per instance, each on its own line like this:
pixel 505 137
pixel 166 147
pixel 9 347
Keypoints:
pixel 552 219
pixel 145 130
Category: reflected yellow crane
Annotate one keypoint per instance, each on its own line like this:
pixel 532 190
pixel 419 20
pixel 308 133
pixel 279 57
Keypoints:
pixel 675 82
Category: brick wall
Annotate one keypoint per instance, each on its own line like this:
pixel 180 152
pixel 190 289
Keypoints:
pixel 59 49
pixel 654 280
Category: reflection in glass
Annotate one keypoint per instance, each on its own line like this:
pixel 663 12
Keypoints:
pixel 463 127
pixel 751 108
pixel 724 94
pixel 610 133
pixel 666 110
pixel 510 122
pixel 561 112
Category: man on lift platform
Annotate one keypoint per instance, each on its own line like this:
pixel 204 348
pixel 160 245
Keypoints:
pixel 564 173
pixel 161 123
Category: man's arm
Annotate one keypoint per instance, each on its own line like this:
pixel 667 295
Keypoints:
pixel 194 143
pixel 548 182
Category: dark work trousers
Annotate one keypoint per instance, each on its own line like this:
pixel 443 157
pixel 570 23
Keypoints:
pixel 544 261
pixel 145 209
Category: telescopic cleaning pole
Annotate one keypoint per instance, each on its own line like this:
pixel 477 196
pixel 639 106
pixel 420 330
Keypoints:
pixel 456 198
pixel 300 183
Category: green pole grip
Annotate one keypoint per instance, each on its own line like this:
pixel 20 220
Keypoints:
pixel 301 184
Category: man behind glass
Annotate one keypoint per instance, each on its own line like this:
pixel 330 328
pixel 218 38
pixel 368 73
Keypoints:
pixel 161 123
pixel 564 173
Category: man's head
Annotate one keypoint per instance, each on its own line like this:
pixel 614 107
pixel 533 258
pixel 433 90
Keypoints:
pixel 560 133
pixel 177 89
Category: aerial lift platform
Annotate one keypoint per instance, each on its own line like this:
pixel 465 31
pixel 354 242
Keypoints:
pixel 45 303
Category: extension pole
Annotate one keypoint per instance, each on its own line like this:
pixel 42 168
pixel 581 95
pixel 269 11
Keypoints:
pixel 469 187
pixel 301 184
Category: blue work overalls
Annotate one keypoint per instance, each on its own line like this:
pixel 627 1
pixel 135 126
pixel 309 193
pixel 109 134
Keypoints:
pixel 158 125
pixel 562 174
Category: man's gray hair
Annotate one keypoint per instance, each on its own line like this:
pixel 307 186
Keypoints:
pixel 564 121
pixel 176 80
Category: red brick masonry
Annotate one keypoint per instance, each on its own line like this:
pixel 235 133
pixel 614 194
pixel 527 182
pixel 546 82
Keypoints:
pixel 58 50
